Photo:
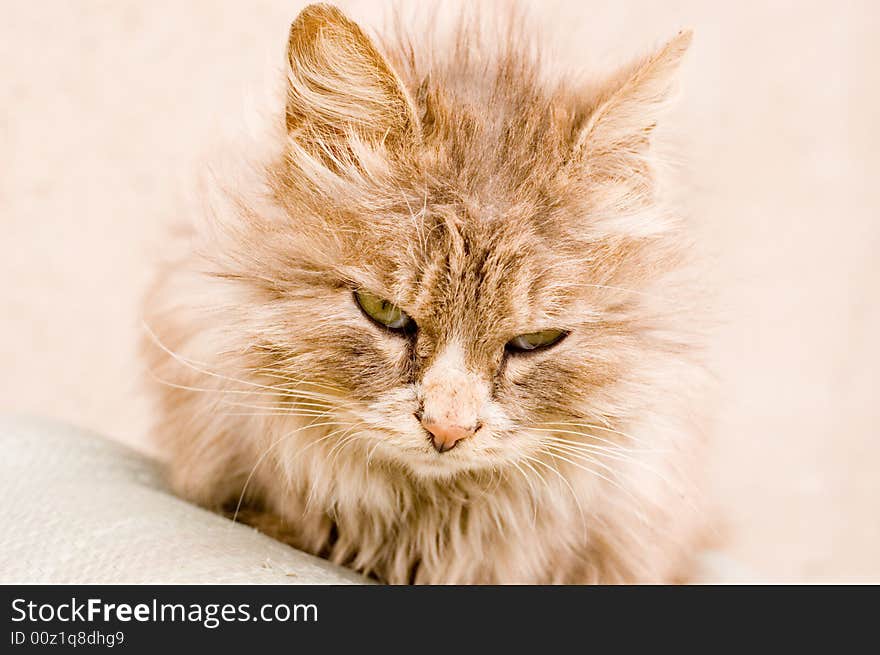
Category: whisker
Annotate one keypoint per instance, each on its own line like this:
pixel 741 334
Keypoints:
pixel 203 370
pixel 184 387
pixel 264 455
pixel 247 392
pixel 565 481
pixel 343 439
pixel 583 445
pixel 372 450
pixel 282 374
pixel 582 434
pixel 532 494
pixel 614 483
pixel 595 426
pixel 292 405
pixel 534 470
pixel 622 455
pixel 276 414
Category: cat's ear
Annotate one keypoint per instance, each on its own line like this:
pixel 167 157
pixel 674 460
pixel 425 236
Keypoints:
pixel 339 82
pixel 626 107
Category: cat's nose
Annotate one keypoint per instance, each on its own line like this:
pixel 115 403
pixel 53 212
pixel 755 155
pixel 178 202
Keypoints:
pixel 446 434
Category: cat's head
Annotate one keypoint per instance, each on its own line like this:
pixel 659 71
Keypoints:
pixel 460 274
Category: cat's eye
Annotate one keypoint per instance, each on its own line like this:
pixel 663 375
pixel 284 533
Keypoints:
pixel 383 312
pixel 535 340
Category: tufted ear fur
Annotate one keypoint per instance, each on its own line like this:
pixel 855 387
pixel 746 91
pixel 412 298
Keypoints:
pixel 339 84
pixel 627 106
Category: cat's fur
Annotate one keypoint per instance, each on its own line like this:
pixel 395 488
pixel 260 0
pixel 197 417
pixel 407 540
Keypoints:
pixel 487 197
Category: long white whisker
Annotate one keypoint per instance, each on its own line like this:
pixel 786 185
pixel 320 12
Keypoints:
pixel 614 483
pixel 532 494
pixel 574 496
pixel 246 392
pixel 582 434
pixel 343 439
pixel 604 428
pixel 205 371
pixel 584 445
pixel 292 405
pixel 264 455
pixel 283 375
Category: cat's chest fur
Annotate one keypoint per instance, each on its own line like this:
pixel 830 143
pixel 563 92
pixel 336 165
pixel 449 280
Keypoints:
pixel 481 531
pixel 431 539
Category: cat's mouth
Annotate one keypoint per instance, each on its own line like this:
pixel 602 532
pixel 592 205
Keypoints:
pixel 466 457
pixel 434 465
pixel 406 442
pixel 423 460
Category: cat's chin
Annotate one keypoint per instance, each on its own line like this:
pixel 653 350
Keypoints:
pixel 436 466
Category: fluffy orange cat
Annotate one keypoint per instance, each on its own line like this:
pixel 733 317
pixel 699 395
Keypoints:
pixel 443 331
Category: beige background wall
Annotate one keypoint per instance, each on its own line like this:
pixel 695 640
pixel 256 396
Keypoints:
pixel 105 108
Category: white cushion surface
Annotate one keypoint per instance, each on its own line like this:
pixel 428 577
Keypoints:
pixel 78 508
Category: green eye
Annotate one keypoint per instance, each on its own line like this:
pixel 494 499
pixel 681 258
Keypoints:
pixel 383 312
pixel 535 340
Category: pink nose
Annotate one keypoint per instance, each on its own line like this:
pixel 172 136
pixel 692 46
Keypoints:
pixel 446 435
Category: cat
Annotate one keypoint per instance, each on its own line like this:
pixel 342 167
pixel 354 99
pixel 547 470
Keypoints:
pixel 442 328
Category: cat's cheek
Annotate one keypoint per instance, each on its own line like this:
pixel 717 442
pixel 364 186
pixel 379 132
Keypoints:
pixel 519 390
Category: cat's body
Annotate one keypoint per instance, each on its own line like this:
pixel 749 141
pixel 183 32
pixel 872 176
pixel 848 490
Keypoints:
pixel 485 202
